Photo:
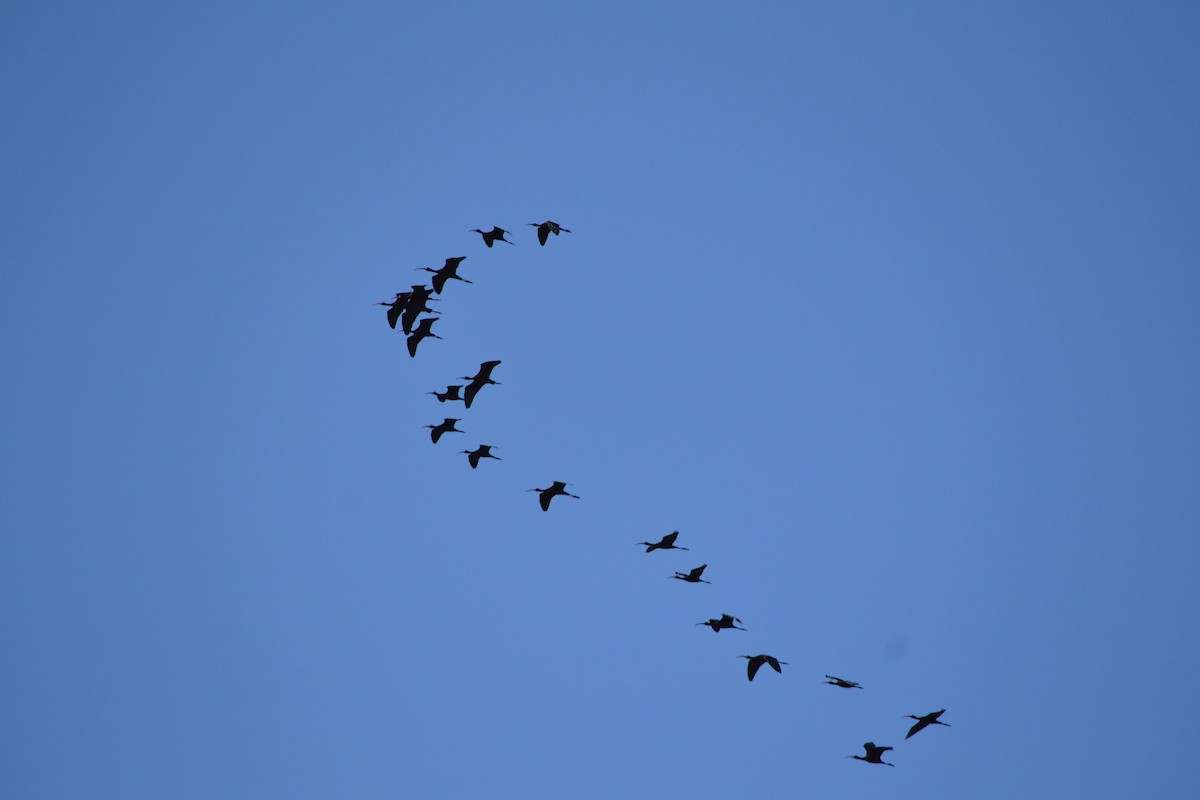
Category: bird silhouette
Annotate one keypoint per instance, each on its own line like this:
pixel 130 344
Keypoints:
pixel 874 754
pixel 396 307
pixel 842 683
pixel 445 273
pixel 665 543
pixel 418 303
pixel 924 722
pixel 693 576
pixel 447 426
pixel 422 331
pixel 483 451
pixel 451 393
pixel 544 229
pixel 478 381
pixel 494 235
pixel 725 621
pixel 552 491
pixel 757 661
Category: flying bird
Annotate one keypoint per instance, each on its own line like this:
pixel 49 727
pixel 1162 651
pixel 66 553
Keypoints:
pixel 544 229
pixel 494 235
pixel 665 543
pixel 874 754
pixel 552 491
pixel 924 722
pixel 451 393
pixel 757 661
pixel 842 683
pixel 478 381
pixel 418 303
pixel 447 426
pixel 445 273
pixel 423 330
pixel 725 621
pixel 693 576
pixel 483 451
pixel 396 307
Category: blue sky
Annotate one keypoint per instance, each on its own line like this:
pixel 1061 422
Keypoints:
pixel 890 309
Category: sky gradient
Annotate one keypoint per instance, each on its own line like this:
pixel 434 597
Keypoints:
pixel 889 309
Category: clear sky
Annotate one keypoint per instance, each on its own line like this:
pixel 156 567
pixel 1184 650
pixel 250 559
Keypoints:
pixel 889 308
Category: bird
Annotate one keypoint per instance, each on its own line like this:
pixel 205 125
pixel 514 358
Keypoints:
pixel 552 491
pixel 725 621
pixel 422 331
pixel 544 229
pixel 483 451
pixel 447 426
pixel 874 754
pixel 418 302
pixel 924 722
pixel 842 683
pixel 478 381
pixel 757 661
pixel 494 235
pixel 693 576
pixel 451 393
pixel 445 273
pixel 665 543
pixel 396 307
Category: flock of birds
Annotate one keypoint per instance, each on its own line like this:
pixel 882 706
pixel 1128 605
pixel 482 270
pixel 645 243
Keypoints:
pixel 406 310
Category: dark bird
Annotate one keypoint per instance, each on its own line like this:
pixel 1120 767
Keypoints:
pixel 725 621
pixel 422 331
pixel 549 493
pixel 478 381
pixel 757 661
pixel 447 426
pixel 874 754
pixel 693 576
pixel 665 543
pixel 451 393
pixel 544 229
pixel 483 451
pixel 924 722
pixel 842 683
pixel 445 273
pixel 396 307
pixel 418 303
pixel 494 235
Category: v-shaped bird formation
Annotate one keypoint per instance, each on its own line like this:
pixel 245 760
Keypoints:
pixel 406 309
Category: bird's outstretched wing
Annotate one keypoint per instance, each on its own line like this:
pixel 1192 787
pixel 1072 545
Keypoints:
pixel 543 233
pixel 473 457
pixel 774 662
pixel 469 393
pixel 920 725
pixel 752 666
pixel 669 539
pixel 544 498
